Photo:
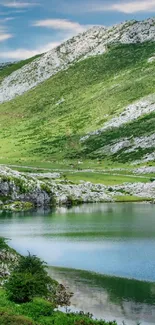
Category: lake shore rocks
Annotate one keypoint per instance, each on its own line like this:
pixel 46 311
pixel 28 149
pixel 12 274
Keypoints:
pixel 8 259
pixel 19 191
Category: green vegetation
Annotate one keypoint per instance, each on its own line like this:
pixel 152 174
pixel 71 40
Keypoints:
pixel 10 319
pixel 143 126
pixel 28 280
pixel 35 128
pixel 105 178
pixel 18 206
pixel 135 290
pixel 40 312
pixel 24 300
pixel 3 244
pixel 131 198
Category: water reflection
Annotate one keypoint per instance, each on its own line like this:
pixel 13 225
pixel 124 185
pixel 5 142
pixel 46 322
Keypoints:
pixel 109 297
pixel 113 239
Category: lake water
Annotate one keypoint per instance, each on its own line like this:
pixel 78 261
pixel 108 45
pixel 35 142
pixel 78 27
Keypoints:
pixel 105 253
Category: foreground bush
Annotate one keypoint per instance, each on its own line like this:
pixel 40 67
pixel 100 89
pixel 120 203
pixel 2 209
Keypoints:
pixel 3 244
pixel 28 280
pixel 37 308
pixel 8 319
pixel 40 312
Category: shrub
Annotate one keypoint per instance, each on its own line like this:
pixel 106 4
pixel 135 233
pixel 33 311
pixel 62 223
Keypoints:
pixel 38 308
pixel 8 319
pixel 3 244
pixel 28 280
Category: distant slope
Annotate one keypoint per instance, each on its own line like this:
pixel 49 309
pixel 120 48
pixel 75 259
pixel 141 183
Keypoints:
pixel 10 68
pixel 49 121
pixel 92 42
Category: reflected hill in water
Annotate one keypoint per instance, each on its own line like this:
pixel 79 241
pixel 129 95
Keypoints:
pixel 109 297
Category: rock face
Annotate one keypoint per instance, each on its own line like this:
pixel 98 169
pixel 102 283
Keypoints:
pixel 129 114
pixel 132 143
pixel 20 192
pixel 8 258
pixel 17 187
pixel 92 42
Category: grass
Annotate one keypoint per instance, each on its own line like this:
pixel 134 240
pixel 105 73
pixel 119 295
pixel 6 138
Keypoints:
pixel 40 312
pixel 143 126
pixel 131 198
pixel 106 179
pixel 35 129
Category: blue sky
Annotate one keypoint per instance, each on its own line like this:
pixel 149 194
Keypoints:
pixel 28 27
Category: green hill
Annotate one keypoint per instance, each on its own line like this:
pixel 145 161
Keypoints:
pixel 47 122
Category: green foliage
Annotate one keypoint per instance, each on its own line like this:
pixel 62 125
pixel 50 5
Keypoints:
pixel 23 187
pixel 3 244
pixel 8 319
pixel 36 309
pixel 31 264
pixel 46 188
pixel 37 128
pixel 40 312
pixel 29 279
pixel 73 319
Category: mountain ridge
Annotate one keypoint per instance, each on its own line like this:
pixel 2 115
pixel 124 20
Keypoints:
pixel 99 107
pixel 90 43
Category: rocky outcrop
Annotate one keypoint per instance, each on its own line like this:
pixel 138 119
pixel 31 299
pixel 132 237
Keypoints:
pixel 139 190
pixel 21 192
pixel 17 187
pixel 145 170
pixel 8 259
pixel 129 114
pixel 93 42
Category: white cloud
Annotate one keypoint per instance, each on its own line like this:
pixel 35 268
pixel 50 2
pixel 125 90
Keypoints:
pixel 6 19
pixel 67 29
pixel 124 6
pixel 133 7
pixel 61 24
pixel 127 7
pixel 22 54
pixel 4 36
pixel 19 4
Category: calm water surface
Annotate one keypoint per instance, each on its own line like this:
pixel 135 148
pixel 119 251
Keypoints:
pixel 116 241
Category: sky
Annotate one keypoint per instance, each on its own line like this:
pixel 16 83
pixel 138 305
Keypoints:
pixel 29 27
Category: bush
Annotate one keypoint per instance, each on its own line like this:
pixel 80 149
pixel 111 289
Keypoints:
pixel 3 244
pixel 8 319
pixel 28 280
pixel 36 309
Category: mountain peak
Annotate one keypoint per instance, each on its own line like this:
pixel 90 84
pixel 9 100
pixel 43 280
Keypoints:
pixel 90 43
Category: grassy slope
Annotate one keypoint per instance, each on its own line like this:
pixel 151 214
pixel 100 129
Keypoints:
pixel 34 128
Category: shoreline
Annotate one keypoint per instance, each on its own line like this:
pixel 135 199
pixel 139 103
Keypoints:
pixel 22 192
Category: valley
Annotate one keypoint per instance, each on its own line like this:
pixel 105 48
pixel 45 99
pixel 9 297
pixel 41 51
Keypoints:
pixel 77 178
